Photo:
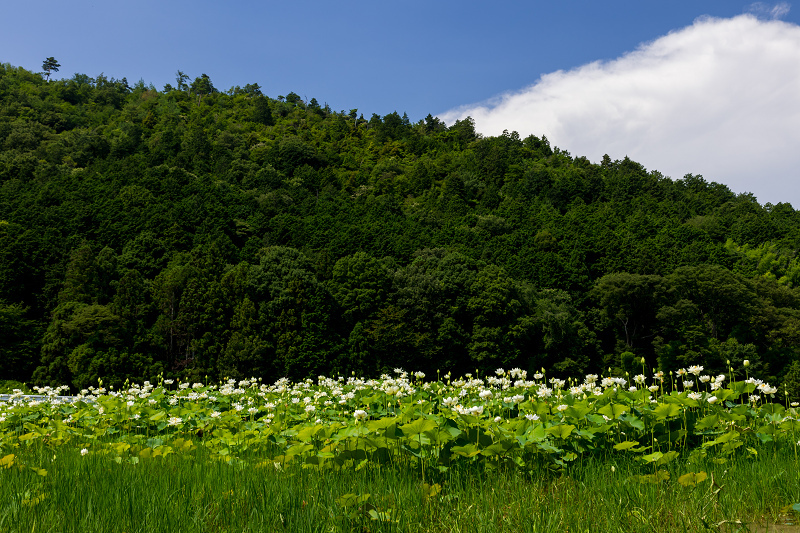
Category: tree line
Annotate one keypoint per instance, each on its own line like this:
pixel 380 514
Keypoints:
pixel 201 234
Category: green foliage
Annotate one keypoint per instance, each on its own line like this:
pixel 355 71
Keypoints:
pixel 767 260
pixel 50 65
pixel 107 492
pixel 197 232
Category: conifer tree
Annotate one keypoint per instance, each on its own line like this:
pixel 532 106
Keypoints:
pixel 50 65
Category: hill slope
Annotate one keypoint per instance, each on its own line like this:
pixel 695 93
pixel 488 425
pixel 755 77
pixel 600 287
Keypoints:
pixel 197 233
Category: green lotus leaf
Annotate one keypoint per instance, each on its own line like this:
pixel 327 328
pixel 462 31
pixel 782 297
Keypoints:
pixel 632 421
pixel 613 410
pixel 182 444
pixel 790 426
pixel 443 435
pixel 658 477
pixel 597 420
pixel 351 431
pixel 393 432
pixel 548 448
pixel 418 426
pixel 655 456
pixel 666 410
pixel 119 447
pixel 479 436
pixel 305 434
pixel 561 431
pixel 577 412
pixel 724 394
pixel 297 449
pixel 350 499
pixel 707 422
pixel 728 447
pixel 537 433
pixel 727 437
pixel 742 387
pixel 380 423
pixel 763 437
pixel 627 445
pixel 667 457
pixel 470 420
pixel 163 450
pixel 384 516
pixel 470 450
pixel 766 429
pixel 494 449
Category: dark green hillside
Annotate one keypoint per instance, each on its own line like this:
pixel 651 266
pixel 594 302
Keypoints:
pixel 194 232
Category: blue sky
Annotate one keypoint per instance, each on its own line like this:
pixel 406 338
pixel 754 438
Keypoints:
pixel 417 57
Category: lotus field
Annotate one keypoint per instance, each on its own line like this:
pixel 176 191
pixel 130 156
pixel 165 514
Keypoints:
pixel 508 420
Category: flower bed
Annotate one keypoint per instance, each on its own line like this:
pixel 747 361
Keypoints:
pixel 503 419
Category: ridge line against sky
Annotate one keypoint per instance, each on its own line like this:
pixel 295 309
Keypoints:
pixel 723 112
pixel 720 98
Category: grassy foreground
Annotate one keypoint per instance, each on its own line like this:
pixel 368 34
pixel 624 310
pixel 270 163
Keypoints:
pixel 181 492
pixel 688 452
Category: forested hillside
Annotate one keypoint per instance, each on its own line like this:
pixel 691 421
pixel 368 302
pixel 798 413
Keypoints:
pixel 203 234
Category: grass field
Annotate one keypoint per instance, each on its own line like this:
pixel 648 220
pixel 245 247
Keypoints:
pixel 501 453
pixel 200 493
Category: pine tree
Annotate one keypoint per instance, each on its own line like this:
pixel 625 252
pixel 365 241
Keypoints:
pixel 50 65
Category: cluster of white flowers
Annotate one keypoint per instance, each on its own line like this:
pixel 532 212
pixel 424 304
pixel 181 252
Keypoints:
pixel 330 398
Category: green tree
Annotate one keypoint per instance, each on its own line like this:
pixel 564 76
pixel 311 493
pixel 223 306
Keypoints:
pixel 724 298
pixel 631 302
pixel 360 286
pixel 202 86
pixel 50 65
pixel 20 342
pixel 293 315
pixel 262 114
pixel 181 78
pixel 791 382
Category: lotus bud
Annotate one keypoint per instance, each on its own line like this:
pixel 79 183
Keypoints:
pixel 746 363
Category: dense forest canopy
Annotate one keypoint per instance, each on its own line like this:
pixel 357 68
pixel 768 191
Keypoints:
pixel 202 234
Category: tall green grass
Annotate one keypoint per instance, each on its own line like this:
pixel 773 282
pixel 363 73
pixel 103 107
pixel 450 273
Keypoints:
pixel 198 492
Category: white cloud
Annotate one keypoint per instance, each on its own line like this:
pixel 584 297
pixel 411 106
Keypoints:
pixel 719 98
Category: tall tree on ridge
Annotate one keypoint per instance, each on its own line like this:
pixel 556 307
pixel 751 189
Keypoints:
pixel 50 65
